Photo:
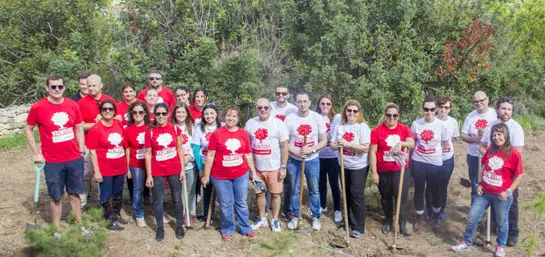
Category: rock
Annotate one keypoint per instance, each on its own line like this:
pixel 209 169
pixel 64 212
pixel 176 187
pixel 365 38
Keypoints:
pixel 21 117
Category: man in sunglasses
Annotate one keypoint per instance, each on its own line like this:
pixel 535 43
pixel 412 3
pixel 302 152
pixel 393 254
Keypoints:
pixel 82 86
pixel 62 147
pixel 269 141
pixel 155 80
pixel 90 114
pixel 281 108
pixel 504 108
pixel 473 129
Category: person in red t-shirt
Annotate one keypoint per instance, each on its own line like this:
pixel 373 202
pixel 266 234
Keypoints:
pixel 165 161
pixel 165 95
pixel 182 95
pixel 228 159
pixel 90 114
pixel 61 135
pixel 151 100
pixel 200 98
pixel 128 91
pixel 107 152
pixel 500 175
pixel 387 141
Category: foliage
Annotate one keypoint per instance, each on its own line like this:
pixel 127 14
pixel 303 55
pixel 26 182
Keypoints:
pixel 280 245
pixel 538 207
pixel 15 141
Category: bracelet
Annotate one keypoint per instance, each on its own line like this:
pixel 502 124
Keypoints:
pixel 82 153
pixel 283 166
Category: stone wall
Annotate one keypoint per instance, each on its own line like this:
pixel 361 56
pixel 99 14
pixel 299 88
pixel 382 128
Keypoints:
pixel 12 119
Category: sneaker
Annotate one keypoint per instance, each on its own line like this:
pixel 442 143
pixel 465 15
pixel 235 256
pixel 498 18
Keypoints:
pixel 323 210
pixel 120 220
pixel 461 247
pixel 199 198
pixel 293 224
pixel 251 235
pixel 86 232
pixel 419 223
pixel 512 240
pixel 275 224
pixel 227 237
pixel 114 226
pixel 141 223
pixel 356 234
pixel 160 234
pixel 165 219
pixel 442 217
pixel 193 219
pixel 316 224
pixel 435 223
pixel 387 227
pixel 338 216
pixel 287 216
pixel 500 251
pixel 180 233
pixel 260 223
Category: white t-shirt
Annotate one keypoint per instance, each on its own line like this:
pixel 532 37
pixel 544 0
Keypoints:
pixel 473 122
pixel 428 137
pixel 186 146
pixel 202 138
pixel 358 133
pixel 327 152
pixel 453 131
pixel 266 138
pixel 282 112
pixel 516 133
pixel 313 125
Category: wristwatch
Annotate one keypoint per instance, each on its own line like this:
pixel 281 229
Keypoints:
pixel 508 191
pixel 313 150
pixel 282 166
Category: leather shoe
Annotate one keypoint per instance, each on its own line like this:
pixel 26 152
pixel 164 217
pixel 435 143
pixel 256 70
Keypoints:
pixel 512 240
pixel 387 227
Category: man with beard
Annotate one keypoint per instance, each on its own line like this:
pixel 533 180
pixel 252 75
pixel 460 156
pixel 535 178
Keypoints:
pixel 165 94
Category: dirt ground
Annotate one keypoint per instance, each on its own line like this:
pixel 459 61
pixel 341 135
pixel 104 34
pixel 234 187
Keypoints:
pixel 17 176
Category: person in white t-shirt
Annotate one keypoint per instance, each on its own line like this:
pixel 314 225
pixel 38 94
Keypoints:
pixel 431 136
pixel 354 136
pixel 473 129
pixel 329 166
pixel 307 136
pixel 269 142
pixel 504 108
pixel 281 108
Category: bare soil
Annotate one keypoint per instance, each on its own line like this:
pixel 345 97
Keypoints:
pixel 17 183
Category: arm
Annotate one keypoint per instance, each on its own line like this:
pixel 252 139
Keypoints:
pixel 322 142
pixel 208 167
pixel 128 158
pixel 80 137
pixel 87 126
pixel 285 156
pixel 373 163
pixel 94 161
pixel 149 179
pixel 471 139
pixel 29 135
pixel 251 165
pixel 482 148
pixel 181 156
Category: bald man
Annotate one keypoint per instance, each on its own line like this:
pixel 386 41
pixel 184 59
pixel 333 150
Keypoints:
pixel 269 140
pixel 88 106
pixel 473 130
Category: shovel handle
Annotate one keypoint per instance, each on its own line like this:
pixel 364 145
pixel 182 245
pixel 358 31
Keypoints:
pixel 398 201
pixel 301 182
pixel 38 167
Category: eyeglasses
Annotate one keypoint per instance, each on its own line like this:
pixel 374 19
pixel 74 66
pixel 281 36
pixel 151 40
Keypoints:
pixel 429 109
pixel 480 101
pixel 389 115
pixel 155 78
pixel 210 105
pixel 281 93
pixel 325 103
pixel 54 87
pixel 158 114
pixel 352 110
pixel 506 100
pixel 444 107
pixel 138 112
pixel 108 109
pixel 263 107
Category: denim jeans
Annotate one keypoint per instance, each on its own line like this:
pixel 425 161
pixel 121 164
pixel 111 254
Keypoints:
pixel 479 206
pixel 233 194
pixel 513 216
pixel 473 172
pixel 191 182
pixel 312 175
pixel 426 177
pixel 329 169
pixel 444 177
pixel 158 192
pixel 111 187
pixel 138 181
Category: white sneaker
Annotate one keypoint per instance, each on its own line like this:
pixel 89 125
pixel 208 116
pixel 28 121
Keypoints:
pixel 461 247
pixel 316 224
pixel 338 216
pixel 165 219
pixel 199 198
pixel 323 210
pixel 260 223
pixel 275 224
pixel 293 224
pixel 141 223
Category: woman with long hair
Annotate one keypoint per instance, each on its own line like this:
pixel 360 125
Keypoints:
pixel 128 92
pixel 200 98
pixel 165 162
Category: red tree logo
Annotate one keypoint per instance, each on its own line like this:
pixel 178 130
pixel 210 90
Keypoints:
pixel 481 124
pixel 185 138
pixel 348 136
pixel 426 135
pixel 208 136
pixel 261 134
pixel 304 129
pixel 328 126
pixel 281 117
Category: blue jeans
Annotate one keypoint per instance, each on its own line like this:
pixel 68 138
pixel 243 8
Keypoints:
pixel 312 175
pixel 138 181
pixel 111 187
pixel 473 172
pixel 329 169
pixel 479 206
pixel 233 194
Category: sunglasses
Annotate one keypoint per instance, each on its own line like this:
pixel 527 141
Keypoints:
pixel 54 87
pixel 281 93
pixel 138 112
pixel 479 101
pixel 108 109
pixel 325 104
pixel 155 78
pixel 263 107
pixel 429 109
pixel 389 115
pixel 506 100
pixel 444 107
pixel 210 105
pixel 352 110
pixel 158 114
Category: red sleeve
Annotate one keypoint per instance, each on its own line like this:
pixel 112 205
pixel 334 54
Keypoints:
pixel 142 95
pixel 485 157
pixel 247 149
pixel 374 136
pixel 408 133
pixel 83 112
pixel 518 162
pixel 32 118
pixel 213 140
pixel 177 130
pixel 77 114
pixel 147 140
pixel 93 133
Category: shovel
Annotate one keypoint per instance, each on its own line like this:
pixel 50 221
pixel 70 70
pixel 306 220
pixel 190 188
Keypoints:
pixel 186 205
pixel 487 242
pixel 210 205
pixel 38 167
pixel 299 214
pixel 398 206
pixel 339 242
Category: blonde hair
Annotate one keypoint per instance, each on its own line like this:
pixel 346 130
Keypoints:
pixel 359 115
pixel 386 108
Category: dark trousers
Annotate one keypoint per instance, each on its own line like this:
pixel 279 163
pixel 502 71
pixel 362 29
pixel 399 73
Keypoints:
pixel 355 181
pixel 111 186
pixel 426 175
pixel 444 177
pixel 513 216
pixel 207 197
pixel 388 187
pixel 329 169
pixel 159 198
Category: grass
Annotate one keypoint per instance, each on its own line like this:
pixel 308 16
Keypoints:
pixel 15 141
pixel 530 123
pixel 280 245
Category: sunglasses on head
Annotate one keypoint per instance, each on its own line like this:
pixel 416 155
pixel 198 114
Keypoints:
pixel 54 87
pixel 138 112
pixel 352 110
pixel 155 78
pixel 210 105
pixel 479 101
pixel 325 103
pixel 389 115
pixel 506 100
pixel 263 107
pixel 158 114
pixel 281 93
pixel 429 109
pixel 108 109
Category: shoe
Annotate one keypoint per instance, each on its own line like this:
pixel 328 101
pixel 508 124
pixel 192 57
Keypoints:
pixel 148 200
pixel 275 224
pixel 403 229
pixel 323 210
pixel 193 219
pixel 165 219
pixel 180 233
pixel 442 217
pixel 227 237
pixel 129 201
pixel 260 223
pixel 86 232
pixel 160 234
pixel 316 224
pixel 419 223
pixel 512 240
pixel 500 251
pixel 337 216
pixel 461 247
pixel 356 234
pixel 293 224
pixel 435 223
pixel 141 223
pixel 251 235
pixel 287 216
pixel 387 227
pixel 199 198
pixel 120 220
pixel 114 226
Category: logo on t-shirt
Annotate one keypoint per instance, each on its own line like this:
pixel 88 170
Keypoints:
pixel 426 135
pixel 280 117
pixel 207 136
pixel 261 134
pixel 491 178
pixel 166 153
pixel 481 124
pixel 185 139
pixel 391 141
pixel 62 134
pixel 304 130
pixel 260 148
pixel 140 153
pixel 233 159
pixel 349 137
pixel 328 126
pixel 116 152
pixel 126 116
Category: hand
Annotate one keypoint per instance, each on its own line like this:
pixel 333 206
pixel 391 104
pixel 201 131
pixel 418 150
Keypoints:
pixel 281 174
pixel 205 180
pixel 480 132
pixel 149 181
pixel 182 176
pixel 480 190
pixel 342 143
pixel 503 196
pixel 98 176
pixel 38 158
pixel 396 149
pixel 375 178
pixel 98 117
pixel 306 151
pixel 129 175
pixel 253 175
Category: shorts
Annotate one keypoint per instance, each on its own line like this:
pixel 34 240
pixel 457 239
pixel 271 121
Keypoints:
pixel 64 174
pixel 270 178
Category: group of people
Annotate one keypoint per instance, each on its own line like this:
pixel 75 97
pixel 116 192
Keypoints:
pixel 161 139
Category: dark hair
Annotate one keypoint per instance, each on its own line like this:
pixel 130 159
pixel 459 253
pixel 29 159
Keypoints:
pixel 83 75
pixel 126 85
pixel 428 99
pixel 184 88
pixel 157 106
pixel 442 100
pixel 106 102
pixel 330 97
pixel 301 93
pixel 282 86
pixel 199 89
pixel 188 120
pixel 203 122
pixel 506 147
pixel 505 100
pixel 146 111
pixel 53 76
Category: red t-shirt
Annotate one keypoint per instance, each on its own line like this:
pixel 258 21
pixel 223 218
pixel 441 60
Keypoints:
pixel 386 138
pixel 164 152
pixel 88 107
pixel 499 170
pixel 56 125
pixel 194 112
pixel 165 96
pixel 230 147
pixel 109 144
pixel 122 109
pixel 135 137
